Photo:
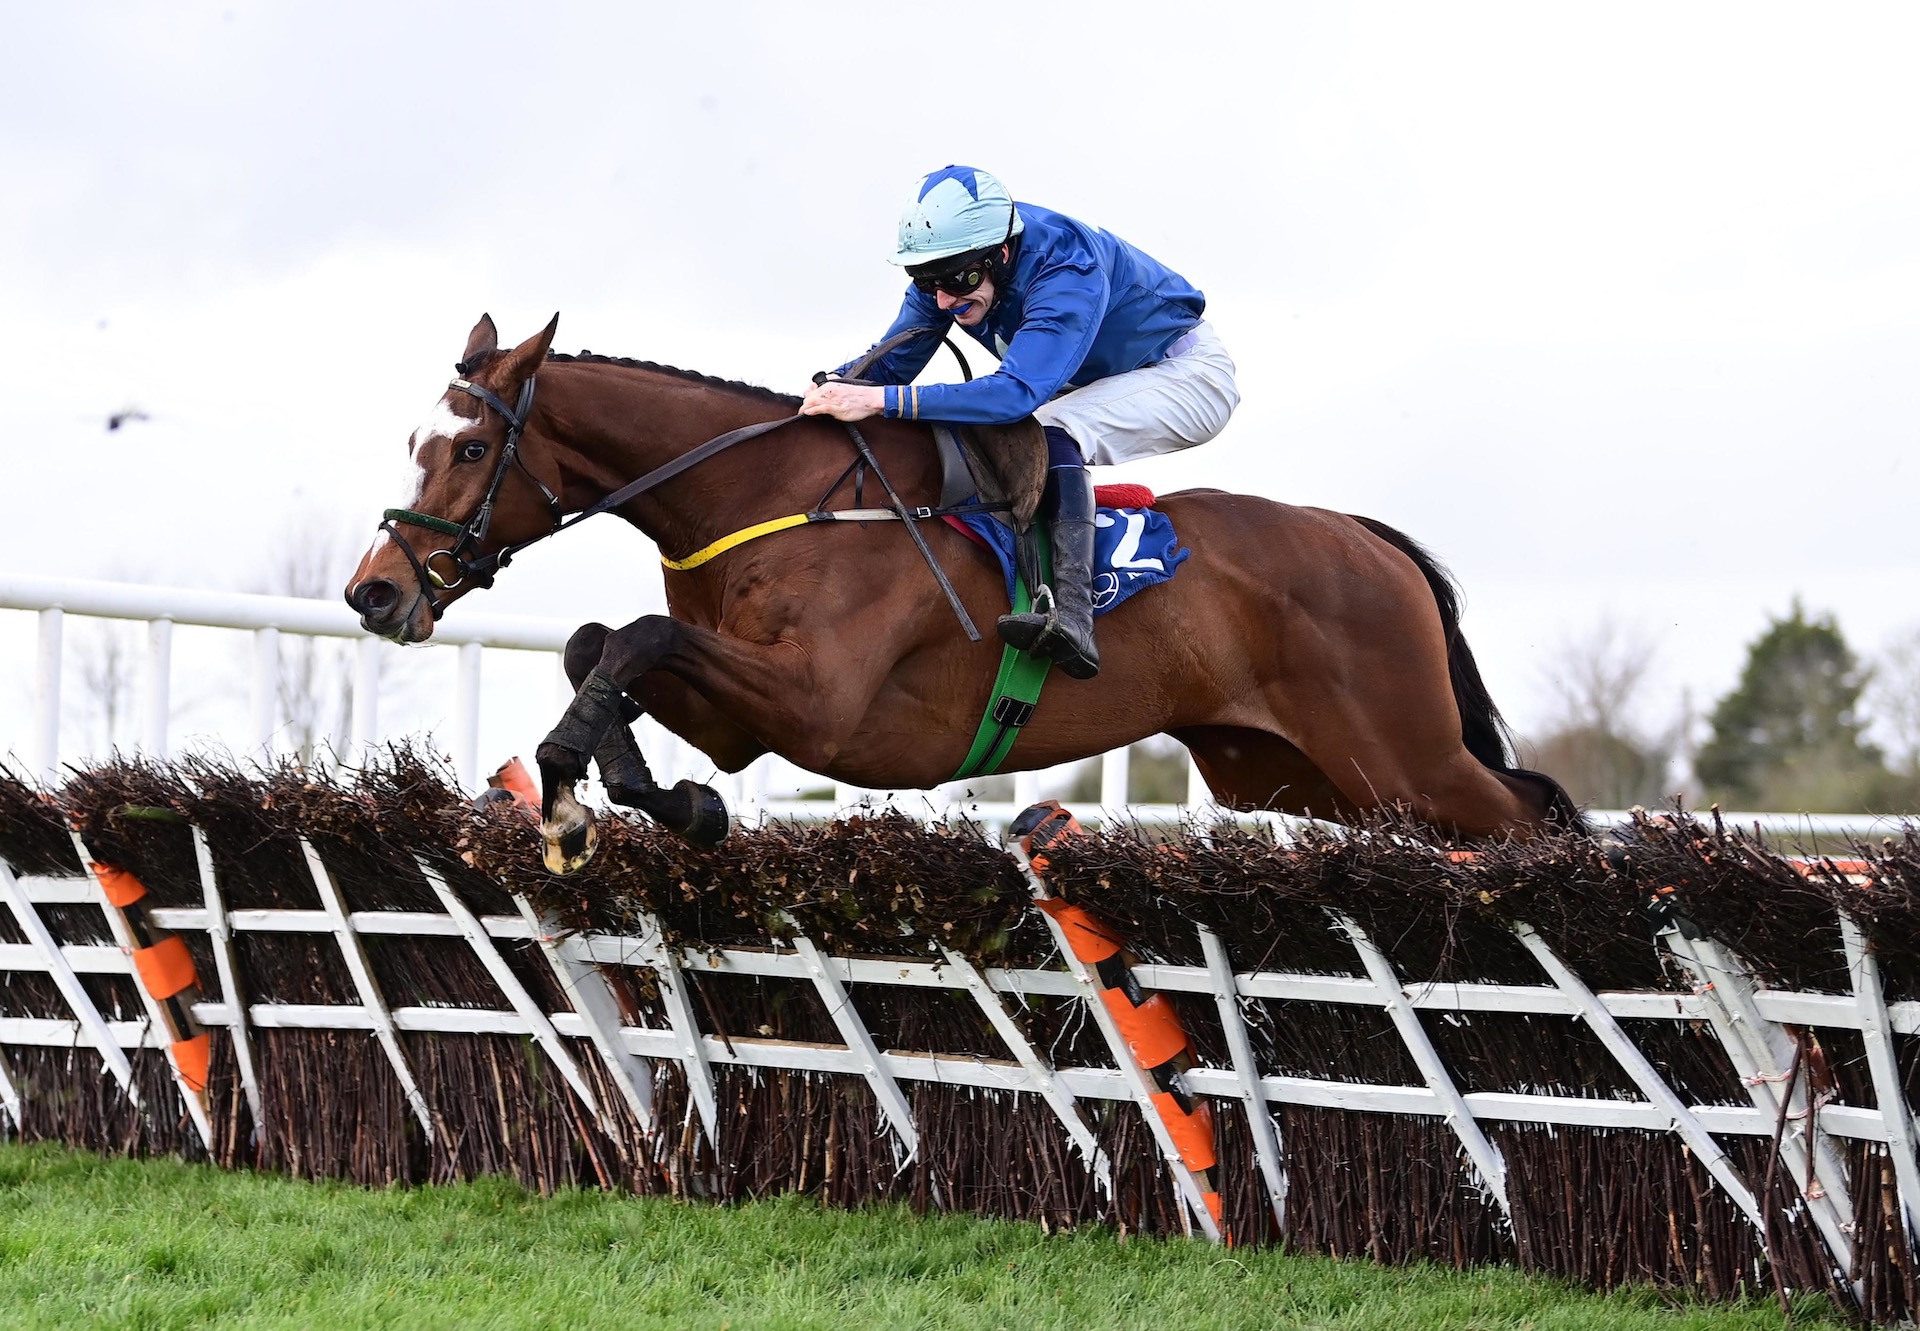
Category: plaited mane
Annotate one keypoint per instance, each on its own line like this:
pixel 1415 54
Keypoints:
pixel 691 376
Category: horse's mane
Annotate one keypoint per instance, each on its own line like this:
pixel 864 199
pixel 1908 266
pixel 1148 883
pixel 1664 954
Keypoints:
pixel 1008 461
pixel 691 376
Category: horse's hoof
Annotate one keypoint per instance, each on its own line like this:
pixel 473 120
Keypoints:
pixel 706 823
pixel 569 846
pixel 569 834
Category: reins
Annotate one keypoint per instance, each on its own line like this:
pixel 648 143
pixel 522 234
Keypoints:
pixel 480 571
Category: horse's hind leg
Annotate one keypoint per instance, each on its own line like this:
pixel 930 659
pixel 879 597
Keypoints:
pixel 1403 749
pixel 1252 769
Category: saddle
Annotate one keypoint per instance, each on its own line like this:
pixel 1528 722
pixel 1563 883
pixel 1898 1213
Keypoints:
pixel 1002 464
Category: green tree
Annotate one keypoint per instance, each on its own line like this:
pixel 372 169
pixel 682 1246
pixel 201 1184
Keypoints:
pixel 1789 734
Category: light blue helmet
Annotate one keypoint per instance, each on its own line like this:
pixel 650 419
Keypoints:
pixel 958 209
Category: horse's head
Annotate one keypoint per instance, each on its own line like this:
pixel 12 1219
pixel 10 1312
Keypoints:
pixel 473 492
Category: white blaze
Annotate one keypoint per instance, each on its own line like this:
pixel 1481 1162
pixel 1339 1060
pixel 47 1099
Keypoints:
pixel 442 423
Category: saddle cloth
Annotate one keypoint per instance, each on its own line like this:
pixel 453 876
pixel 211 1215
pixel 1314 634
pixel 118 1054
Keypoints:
pixel 1133 547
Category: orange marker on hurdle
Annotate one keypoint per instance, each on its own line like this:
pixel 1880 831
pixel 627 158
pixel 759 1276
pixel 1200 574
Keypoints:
pixel 1148 1023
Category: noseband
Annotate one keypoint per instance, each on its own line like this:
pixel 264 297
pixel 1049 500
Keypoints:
pixel 459 568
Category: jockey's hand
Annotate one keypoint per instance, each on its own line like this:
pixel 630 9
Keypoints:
pixel 843 402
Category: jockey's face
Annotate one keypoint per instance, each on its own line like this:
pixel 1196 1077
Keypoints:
pixel 955 292
pixel 970 310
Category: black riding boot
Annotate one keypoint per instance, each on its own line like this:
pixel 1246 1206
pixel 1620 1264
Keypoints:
pixel 1061 623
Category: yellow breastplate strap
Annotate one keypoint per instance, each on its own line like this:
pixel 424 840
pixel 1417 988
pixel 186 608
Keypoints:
pixel 759 529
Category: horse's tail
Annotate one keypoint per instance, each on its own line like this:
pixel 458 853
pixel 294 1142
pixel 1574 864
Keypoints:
pixel 1482 729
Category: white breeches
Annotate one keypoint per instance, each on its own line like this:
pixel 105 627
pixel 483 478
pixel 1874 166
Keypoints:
pixel 1181 401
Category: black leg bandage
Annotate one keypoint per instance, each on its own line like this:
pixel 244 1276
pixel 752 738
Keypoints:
pixel 623 768
pixel 595 709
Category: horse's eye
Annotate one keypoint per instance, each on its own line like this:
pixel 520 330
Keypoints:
pixel 473 451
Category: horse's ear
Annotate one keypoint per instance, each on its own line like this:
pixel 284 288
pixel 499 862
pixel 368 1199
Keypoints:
pixel 482 342
pixel 524 359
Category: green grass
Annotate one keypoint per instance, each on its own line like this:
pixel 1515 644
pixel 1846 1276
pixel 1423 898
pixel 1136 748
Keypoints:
pixel 156 1244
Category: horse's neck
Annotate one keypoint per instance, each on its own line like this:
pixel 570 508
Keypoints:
pixel 638 420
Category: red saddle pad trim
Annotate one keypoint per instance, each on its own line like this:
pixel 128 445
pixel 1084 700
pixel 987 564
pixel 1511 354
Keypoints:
pixel 966 531
pixel 1123 494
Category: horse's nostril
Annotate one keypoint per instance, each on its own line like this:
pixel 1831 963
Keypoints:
pixel 375 597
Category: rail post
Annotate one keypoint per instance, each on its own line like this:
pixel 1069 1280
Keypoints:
pixel 159 685
pixel 46 693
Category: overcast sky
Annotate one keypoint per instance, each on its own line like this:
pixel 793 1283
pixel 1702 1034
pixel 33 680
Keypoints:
pixel 1616 307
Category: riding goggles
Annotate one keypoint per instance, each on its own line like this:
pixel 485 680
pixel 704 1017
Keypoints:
pixel 961 281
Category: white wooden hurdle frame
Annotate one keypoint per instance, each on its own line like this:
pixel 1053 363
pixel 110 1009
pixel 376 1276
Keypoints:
pixel 1746 1019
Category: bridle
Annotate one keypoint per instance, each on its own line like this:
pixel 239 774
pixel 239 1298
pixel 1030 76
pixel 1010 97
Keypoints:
pixel 480 571
pixel 467 536
pixel 462 570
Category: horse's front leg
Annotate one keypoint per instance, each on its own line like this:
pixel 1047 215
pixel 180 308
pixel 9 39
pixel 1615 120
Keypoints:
pixel 755 686
pixel 623 768
pixel 599 721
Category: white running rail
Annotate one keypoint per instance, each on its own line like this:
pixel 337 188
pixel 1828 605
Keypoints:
pixel 749 793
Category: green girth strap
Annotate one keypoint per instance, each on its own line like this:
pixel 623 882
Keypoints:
pixel 1016 689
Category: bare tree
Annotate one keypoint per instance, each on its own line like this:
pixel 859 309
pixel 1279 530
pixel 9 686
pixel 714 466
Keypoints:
pixel 103 661
pixel 1596 745
pixel 1894 701
pixel 1596 678
pixel 103 681
pixel 315 688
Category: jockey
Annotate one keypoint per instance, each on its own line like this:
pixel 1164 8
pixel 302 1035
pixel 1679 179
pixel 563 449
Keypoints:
pixel 1100 343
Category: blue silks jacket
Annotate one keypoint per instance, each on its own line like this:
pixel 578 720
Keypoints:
pixel 1081 305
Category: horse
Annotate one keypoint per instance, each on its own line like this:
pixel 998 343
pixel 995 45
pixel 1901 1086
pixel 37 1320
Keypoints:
pixel 1310 661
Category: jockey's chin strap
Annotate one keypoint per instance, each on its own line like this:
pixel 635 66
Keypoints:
pixel 480 570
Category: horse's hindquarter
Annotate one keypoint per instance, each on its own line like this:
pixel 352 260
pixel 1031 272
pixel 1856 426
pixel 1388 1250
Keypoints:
pixel 1277 601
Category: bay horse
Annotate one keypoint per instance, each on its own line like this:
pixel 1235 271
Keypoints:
pixel 1310 661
